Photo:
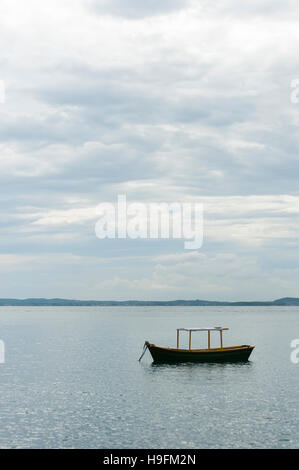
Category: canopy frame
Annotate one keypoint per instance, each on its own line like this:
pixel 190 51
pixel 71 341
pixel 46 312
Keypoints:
pixel 190 330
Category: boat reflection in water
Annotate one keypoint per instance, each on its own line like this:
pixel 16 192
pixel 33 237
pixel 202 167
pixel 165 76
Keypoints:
pixel 222 354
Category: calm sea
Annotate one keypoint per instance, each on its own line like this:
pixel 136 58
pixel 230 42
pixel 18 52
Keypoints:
pixel 72 379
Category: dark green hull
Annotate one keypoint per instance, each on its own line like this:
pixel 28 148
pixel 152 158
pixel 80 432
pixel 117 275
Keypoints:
pixel 168 355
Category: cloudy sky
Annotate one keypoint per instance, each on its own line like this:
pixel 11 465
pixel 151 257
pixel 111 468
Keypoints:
pixel 163 101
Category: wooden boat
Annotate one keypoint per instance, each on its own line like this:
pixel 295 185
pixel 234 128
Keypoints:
pixel 222 354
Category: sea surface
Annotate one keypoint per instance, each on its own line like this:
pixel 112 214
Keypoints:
pixel 71 379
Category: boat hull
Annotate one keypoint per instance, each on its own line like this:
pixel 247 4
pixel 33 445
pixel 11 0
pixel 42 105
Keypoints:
pixel 230 354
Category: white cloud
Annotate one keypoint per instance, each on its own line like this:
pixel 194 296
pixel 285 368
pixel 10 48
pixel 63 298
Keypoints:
pixel 202 276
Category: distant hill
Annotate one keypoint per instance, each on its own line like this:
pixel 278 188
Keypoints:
pixel 288 301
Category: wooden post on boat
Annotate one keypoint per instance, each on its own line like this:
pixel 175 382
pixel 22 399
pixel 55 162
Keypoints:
pixel 177 338
pixel 221 342
pixel 209 339
pixel 190 340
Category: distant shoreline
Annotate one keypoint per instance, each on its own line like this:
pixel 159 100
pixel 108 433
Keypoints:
pixel 43 302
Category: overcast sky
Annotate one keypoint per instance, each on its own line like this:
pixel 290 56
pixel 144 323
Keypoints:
pixel 173 100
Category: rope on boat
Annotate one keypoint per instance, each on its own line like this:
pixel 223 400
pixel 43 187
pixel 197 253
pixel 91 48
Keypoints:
pixel 143 352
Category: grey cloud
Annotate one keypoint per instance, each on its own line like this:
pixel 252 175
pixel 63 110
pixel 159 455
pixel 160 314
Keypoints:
pixel 114 101
pixel 134 9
